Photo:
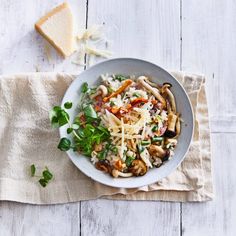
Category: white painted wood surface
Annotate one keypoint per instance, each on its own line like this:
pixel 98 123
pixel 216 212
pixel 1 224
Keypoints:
pixel 196 36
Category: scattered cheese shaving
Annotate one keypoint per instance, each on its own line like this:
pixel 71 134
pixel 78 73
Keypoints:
pixel 145 156
pixel 47 51
pixel 93 32
pixel 122 138
pixel 97 52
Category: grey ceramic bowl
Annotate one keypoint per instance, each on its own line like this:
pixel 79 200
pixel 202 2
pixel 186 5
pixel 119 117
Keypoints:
pixel 130 66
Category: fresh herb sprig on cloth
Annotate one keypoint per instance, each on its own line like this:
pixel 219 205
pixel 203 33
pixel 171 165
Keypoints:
pixel 45 177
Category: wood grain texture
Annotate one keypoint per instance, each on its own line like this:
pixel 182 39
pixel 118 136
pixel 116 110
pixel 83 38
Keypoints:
pixel 218 217
pixel 23 219
pixel 105 217
pixel 209 47
pixel 148 30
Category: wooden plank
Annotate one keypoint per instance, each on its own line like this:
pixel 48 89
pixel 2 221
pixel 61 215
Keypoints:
pixel 209 47
pixel 219 216
pixel 149 30
pixel 223 124
pixel 105 217
pixel 22 48
pixel 21 219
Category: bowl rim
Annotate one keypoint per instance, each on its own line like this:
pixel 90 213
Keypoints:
pixel 160 68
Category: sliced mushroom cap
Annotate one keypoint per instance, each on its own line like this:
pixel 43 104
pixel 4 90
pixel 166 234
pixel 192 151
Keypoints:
pixel 101 90
pixel 138 168
pixel 154 91
pixel 103 166
pixel 116 173
pixel 157 151
pixel 157 162
pixel 166 157
pixel 169 85
pixel 97 147
pixel 147 80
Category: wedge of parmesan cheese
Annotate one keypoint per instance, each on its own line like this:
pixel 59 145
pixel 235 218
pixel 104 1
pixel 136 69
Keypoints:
pixel 57 28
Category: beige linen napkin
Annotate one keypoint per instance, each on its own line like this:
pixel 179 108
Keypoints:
pixel 26 137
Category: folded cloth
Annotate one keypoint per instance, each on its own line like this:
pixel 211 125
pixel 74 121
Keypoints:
pixel 26 138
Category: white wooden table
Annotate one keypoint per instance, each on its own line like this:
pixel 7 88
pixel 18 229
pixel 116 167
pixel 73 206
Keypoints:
pixel 197 36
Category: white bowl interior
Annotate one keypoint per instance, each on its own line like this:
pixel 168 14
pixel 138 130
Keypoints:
pixel 129 66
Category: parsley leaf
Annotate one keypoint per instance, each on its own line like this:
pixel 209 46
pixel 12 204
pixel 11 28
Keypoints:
pixel 112 104
pixel 69 130
pixel 43 182
pixel 47 174
pixel 44 178
pixel 90 113
pixel 68 105
pixel 33 170
pixel 129 160
pixel 84 87
pixel 58 117
pixel 64 144
pixel 120 77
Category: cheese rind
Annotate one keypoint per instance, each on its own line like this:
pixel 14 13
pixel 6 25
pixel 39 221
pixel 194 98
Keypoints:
pixel 57 28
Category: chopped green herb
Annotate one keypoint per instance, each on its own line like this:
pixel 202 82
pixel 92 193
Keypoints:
pixel 140 148
pixel 110 90
pixel 64 144
pixel 145 142
pixel 45 177
pixel 58 117
pixel 114 149
pixel 136 95
pixel 68 105
pixel 90 113
pixel 84 87
pixel 120 77
pixel 75 126
pixel 155 128
pixel 33 170
pixel 112 104
pixel 77 121
pixel 43 182
pixel 159 117
pixel 69 130
pixel 129 160
pixel 92 91
pixel 157 139
pixel 102 155
pixel 47 174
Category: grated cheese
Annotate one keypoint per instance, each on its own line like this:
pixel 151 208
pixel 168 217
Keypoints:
pixel 93 32
pixel 122 138
pixel 126 136
pixel 97 52
pixel 145 156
